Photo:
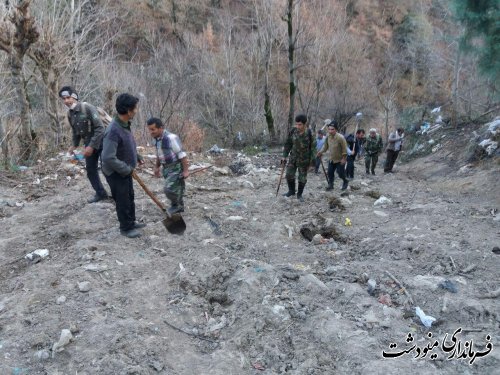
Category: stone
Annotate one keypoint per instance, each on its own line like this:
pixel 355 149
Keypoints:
pixel 84 286
pixel 60 300
pixel 382 201
pixel 317 239
pixel 64 340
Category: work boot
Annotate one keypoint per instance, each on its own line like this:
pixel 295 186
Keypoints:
pixel 291 188
pixel 330 187
pixel 367 171
pixel 97 198
pixel 175 210
pixel 300 191
pixel 344 185
pixel 373 172
pixel 131 233
pixel 139 225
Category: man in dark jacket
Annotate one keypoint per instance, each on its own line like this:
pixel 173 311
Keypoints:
pixel 119 159
pixel 86 126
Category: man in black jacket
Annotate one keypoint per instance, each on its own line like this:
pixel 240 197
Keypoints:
pixel 86 126
pixel 119 159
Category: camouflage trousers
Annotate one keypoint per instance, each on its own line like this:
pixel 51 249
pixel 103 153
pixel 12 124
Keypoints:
pixel 174 184
pixel 291 169
pixel 370 159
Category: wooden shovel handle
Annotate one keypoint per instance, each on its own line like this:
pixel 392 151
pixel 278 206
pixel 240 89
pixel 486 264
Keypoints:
pixel 148 192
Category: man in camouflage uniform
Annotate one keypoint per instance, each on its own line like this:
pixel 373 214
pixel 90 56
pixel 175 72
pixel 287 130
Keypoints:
pixel 299 148
pixel 173 159
pixel 373 147
pixel 86 126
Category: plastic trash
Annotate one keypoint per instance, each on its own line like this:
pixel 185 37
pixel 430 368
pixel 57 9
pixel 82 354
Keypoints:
pixel 426 320
pixel 372 284
pixel 448 285
pixel 215 150
pixel 347 222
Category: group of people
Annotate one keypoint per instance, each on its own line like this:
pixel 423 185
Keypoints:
pixel 301 150
pixel 116 147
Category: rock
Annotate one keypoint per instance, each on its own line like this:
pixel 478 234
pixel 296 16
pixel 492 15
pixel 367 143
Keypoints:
pixel 42 355
pixel 496 250
pixel 382 201
pixel 380 213
pixel 346 201
pixel 158 366
pixel 220 171
pixel 64 340
pixel 465 169
pixel 309 281
pixel 234 218
pixel 426 282
pixel 372 284
pixel 93 267
pixel 385 299
pixel 494 126
pixel 248 184
pixel 60 300
pixel 84 286
pixel 317 239
pixel 42 253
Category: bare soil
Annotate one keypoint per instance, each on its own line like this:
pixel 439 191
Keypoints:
pixel 244 291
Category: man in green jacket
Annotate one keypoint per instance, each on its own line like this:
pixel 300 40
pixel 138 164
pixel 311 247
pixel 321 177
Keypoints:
pixel 373 147
pixel 299 148
pixel 336 146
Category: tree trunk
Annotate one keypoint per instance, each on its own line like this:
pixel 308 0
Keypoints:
pixel 291 64
pixel 267 100
pixel 27 135
pixel 454 90
pixel 5 145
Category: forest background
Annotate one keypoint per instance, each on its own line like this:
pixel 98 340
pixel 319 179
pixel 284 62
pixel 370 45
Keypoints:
pixel 235 72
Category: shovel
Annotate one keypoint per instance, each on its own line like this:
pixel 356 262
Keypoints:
pixel 173 223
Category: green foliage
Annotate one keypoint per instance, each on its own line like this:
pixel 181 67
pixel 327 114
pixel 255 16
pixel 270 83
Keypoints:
pixel 252 150
pixel 411 116
pixel 481 19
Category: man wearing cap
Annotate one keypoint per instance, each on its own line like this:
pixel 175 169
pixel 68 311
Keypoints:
pixel 336 146
pixel 86 126
pixel 299 148
pixel 373 147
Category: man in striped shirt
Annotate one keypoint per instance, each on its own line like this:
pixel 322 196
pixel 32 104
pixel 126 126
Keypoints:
pixel 173 161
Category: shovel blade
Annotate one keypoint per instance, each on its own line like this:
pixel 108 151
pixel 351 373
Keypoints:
pixel 175 224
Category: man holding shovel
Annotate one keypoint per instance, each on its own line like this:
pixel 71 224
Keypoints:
pixel 173 160
pixel 119 159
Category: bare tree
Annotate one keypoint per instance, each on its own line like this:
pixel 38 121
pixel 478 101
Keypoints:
pixel 17 35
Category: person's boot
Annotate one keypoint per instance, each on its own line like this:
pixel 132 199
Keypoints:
pixel 300 191
pixel 175 209
pixel 131 233
pixel 344 185
pixel 373 172
pixel 330 186
pixel 291 188
pixel 97 198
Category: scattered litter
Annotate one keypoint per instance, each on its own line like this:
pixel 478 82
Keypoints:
pixel 449 285
pixel 64 340
pixel 381 201
pixel 347 222
pixel 37 254
pixel 385 299
pixel 215 150
pixel 372 284
pixel 426 320
pixel 234 218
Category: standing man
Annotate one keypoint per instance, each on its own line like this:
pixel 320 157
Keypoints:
pixel 299 148
pixel 320 140
pixel 393 148
pixel 119 159
pixel 372 148
pixel 86 126
pixel 173 160
pixel 354 145
pixel 336 146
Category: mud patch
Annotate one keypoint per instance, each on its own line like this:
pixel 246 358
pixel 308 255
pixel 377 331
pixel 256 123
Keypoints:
pixel 335 204
pixel 309 231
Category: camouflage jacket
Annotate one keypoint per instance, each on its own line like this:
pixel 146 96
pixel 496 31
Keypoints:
pixel 373 146
pixel 301 147
pixel 86 126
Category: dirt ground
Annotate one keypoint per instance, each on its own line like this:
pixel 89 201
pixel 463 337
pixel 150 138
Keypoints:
pixel 244 291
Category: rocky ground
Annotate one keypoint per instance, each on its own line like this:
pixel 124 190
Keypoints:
pixel 245 291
